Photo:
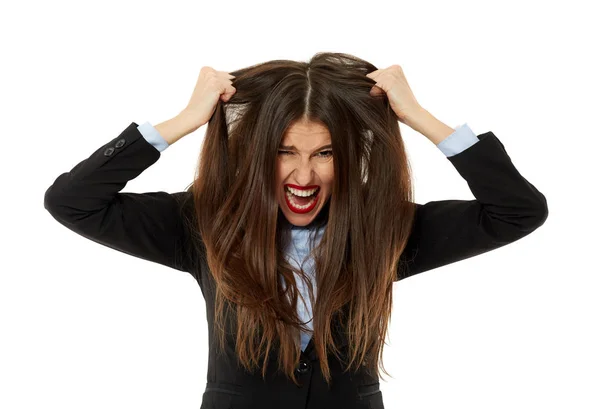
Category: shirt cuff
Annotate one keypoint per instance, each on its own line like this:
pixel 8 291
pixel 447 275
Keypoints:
pixel 462 138
pixel 152 136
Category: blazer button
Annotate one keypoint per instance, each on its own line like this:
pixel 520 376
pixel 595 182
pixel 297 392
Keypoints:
pixel 120 143
pixel 302 367
pixel 109 151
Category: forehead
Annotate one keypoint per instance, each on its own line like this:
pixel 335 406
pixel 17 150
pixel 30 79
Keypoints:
pixel 307 134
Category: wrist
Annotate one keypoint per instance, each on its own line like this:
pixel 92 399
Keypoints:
pixel 415 117
pixel 429 126
pixel 177 127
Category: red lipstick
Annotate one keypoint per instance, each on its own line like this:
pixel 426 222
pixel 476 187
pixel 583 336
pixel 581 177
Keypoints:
pixel 313 203
pixel 302 187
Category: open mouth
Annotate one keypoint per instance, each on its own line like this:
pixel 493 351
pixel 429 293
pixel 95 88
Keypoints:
pixel 301 204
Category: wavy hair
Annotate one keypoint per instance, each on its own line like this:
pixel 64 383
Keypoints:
pixel 367 219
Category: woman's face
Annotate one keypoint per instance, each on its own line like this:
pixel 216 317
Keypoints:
pixel 304 160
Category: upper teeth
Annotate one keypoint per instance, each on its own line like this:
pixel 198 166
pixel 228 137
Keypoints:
pixel 303 193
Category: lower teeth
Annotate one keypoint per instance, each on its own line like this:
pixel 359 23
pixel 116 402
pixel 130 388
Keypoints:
pixel 296 205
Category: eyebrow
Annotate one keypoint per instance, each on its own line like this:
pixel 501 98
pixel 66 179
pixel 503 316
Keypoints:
pixel 293 148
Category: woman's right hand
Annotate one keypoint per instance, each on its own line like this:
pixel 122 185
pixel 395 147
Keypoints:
pixel 211 86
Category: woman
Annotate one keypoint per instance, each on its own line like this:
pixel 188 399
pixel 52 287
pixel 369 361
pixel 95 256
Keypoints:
pixel 303 185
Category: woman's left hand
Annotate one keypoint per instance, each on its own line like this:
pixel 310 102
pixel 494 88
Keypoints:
pixel 393 82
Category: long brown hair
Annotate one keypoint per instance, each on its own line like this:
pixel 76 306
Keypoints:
pixel 367 219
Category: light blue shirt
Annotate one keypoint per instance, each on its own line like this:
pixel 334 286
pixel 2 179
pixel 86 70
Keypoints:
pixel 297 251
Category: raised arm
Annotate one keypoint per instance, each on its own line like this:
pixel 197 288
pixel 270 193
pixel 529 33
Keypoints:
pixel 87 201
pixel 507 207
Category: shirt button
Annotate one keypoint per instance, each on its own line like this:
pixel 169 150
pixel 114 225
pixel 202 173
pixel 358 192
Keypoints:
pixel 109 151
pixel 120 143
pixel 302 367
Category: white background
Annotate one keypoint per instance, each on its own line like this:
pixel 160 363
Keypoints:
pixel 83 325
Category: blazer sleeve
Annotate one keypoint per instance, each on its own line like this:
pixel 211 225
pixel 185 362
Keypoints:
pixel 87 201
pixel 506 208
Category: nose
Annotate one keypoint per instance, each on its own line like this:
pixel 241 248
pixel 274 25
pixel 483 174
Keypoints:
pixel 304 173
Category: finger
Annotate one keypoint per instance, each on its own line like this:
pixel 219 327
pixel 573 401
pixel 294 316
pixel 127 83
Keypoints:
pixel 373 73
pixel 380 86
pixel 376 91
pixel 229 91
pixel 225 85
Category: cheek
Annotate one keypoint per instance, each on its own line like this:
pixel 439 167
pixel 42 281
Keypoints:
pixel 279 172
pixel 281 169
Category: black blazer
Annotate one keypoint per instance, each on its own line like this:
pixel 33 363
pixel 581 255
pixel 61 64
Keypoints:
pixel 87 201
